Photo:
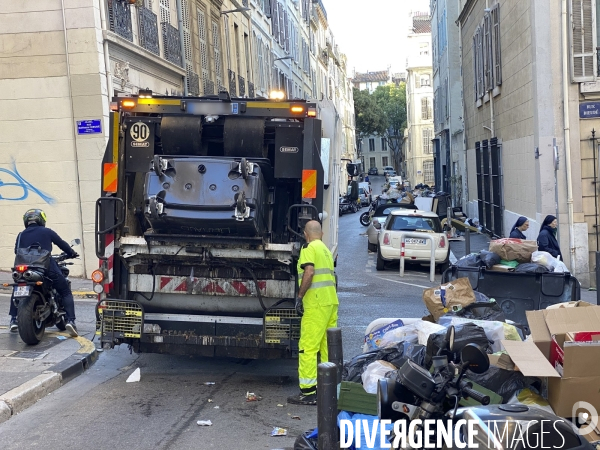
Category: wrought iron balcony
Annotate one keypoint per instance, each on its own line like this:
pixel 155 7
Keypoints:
pixel 251 93
pixel 209 87
pixel 222 88
pixel 232 87
pixel 320 4
pixel 148 30
pixel 242 85
pixel 193 83
pixel 172 47
pixel 119 18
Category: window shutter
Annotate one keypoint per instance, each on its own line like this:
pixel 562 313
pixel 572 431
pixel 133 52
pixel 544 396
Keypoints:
pixel 417 81
pixel 583 40
pixel 487 53
pixel 496 45
pixel 424 109
pixel 275 20
pixel 479 62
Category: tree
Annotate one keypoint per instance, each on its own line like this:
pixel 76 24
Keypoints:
pixel 383 114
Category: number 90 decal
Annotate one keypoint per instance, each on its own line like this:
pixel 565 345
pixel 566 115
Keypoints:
pixel 139 132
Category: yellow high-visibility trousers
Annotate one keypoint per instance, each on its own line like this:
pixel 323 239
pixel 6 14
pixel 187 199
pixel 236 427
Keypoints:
pixel 313 339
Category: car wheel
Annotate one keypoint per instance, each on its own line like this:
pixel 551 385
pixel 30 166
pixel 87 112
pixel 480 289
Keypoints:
pixel 380 262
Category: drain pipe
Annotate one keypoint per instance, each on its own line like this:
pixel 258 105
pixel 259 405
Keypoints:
pixel 103 22
pixel 465 181
pixel 182 45
pixel 565 70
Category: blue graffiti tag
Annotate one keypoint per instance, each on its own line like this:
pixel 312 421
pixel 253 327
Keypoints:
pixel 18 184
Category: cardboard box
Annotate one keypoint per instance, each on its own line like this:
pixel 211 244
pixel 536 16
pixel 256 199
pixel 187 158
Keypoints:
pixel 501 268
pixel 503 361
pixel 580 380
pixel 573 304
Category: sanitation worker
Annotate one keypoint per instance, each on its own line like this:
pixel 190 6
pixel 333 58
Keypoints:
pixel 317 304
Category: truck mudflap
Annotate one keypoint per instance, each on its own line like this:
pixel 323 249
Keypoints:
pixel 274 335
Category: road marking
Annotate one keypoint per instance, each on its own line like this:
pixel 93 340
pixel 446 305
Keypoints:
pixel 403 282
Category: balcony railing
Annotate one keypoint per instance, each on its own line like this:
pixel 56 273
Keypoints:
pixel 193 83
pixel 242 85
pixel 251 93
pixel 232 88
pixel 119 17
pixel 148 30
pixel 209 87
pixel 172 47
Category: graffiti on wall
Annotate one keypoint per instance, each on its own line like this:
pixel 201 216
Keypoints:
pixel 14 188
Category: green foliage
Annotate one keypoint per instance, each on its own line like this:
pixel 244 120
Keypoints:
pixel 382 113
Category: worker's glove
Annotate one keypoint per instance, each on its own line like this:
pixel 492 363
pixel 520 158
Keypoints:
pixel 74 255
pixel 299 306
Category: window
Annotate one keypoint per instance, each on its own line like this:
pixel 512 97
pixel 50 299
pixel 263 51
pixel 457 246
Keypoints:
pixel 384 146
pixel 372 163
pixel 427 145
pixel 424 49
pixel 583 40
pixel 384 161
pixel 487 65
pixel 371 145
pixel 426 112
pixel 425 80
pixel 428 177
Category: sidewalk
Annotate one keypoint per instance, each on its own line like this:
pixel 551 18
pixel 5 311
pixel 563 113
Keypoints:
pixel 81 287
pixel 29 373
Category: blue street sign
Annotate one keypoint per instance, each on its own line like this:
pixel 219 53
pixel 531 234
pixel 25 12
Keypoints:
pixel 89 126
pixel 589 110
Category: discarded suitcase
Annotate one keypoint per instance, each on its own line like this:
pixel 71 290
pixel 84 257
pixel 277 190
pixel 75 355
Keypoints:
pixel 201 195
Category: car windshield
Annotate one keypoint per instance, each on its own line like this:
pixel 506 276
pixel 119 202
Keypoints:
pixel 415 223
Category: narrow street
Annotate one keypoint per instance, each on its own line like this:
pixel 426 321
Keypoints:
pixel 100 410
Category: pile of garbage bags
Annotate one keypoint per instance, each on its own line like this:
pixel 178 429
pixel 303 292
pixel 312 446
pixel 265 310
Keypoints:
pixel 513 255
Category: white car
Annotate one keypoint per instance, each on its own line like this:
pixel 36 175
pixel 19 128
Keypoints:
pixel 416 250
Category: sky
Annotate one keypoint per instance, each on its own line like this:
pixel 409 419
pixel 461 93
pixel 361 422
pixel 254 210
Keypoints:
pixel 372 33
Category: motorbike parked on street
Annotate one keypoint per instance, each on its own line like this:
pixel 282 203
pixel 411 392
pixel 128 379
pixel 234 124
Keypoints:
pixel 347 205
pixel 417 394
pixel 39 304
pixel 365 218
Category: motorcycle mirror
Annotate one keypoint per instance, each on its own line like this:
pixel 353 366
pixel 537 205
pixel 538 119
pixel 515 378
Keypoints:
pixel 450 337
pixel 476 359
pixel 75 242
pixel 388 392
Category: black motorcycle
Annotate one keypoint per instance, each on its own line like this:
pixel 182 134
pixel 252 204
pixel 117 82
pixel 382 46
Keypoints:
pixel 365 218
pixel 347 205
pixel 417 394
pixel 39 305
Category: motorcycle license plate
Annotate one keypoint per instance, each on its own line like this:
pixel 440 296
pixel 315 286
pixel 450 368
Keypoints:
pixel 21 291
pixel 415 241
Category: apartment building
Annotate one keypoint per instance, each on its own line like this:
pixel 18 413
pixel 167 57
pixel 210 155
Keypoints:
pixel 63 60
pixel 418 164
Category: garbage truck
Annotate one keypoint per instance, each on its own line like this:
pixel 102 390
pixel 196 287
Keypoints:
pixel 199 225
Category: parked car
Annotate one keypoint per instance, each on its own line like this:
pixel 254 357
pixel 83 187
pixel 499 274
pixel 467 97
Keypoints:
pixel 416 250
pixel 387 168
pixel 379 217
pixel 373 171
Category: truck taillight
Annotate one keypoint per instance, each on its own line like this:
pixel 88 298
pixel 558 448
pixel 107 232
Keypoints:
pixel 97 276
pixel 442 242
pixel 297 109
pixel 312 112
pixel 386 239
pixel 128 104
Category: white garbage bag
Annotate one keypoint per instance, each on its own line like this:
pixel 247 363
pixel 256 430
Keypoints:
pixel 372 374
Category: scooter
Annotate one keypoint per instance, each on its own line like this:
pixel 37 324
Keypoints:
pixel 365 218
pixel 347 205
pixel 39 305
pixel 416 394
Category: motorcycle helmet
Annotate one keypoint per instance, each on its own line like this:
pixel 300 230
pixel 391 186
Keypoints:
pixel 34 216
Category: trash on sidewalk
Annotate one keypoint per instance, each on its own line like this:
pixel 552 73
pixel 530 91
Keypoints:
pixel 439 300
pixel 252 397
pixel 217 407
pixel 61 338
pixel 204 423
pixel 372 374
pixel 296 417
pixel 280 405
pixel 134 377
pixel 511 249
pixel 208 383
pixel 279 431
pixel 210 400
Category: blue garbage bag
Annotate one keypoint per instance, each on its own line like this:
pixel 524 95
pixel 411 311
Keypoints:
pixel 368 436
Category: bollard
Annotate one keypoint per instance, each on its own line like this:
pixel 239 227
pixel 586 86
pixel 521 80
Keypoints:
pixel 327 406
pixel 598 278
pixel 467 241
pixel 335 350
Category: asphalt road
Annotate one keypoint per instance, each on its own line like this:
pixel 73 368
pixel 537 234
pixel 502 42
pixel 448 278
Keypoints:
pixel 100 410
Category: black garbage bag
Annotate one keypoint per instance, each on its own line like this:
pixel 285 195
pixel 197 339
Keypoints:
pixel 467 333
pixel 308 440
pixel 354 368
pixel 501 381
pixel 481 311
pixel 489 259
pixel 531 268
pixel 481 298
pixel 472 260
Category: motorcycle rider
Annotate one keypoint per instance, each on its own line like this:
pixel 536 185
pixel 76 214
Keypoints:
pixel 36 233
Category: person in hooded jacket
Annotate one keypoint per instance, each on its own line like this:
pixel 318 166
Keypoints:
pixel 521 225
pixel 547 238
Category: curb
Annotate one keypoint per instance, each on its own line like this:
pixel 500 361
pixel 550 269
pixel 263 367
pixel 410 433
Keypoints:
pixel 22 397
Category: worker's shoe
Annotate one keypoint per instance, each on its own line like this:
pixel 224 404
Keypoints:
pixel 303 399
pixel 14 325
pixel 71 328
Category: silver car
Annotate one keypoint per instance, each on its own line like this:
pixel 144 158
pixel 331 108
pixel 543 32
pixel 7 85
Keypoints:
pixel 379 216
